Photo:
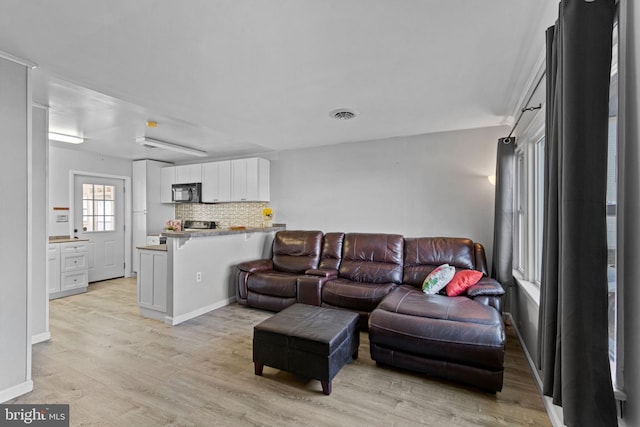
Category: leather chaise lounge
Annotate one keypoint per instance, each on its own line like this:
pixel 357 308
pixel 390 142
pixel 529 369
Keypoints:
pixel 457 338
pixel 380 276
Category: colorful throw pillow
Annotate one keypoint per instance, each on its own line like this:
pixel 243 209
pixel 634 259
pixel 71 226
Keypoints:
pixel 462 280
pixel 438 279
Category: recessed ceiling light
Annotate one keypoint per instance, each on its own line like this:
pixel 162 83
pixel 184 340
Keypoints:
pixel 343 114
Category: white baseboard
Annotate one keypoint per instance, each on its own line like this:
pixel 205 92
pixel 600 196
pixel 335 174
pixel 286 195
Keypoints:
pixel 553 411
pixel 15 391
pixel 176 320
pixel 152 314
pixel 42 337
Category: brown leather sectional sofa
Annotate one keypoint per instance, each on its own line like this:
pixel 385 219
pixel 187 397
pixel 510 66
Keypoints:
pixel 380 276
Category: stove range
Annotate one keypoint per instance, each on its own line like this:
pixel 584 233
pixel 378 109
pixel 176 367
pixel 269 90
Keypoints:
pixel 192 225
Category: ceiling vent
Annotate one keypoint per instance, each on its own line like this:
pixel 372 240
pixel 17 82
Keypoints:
pixel 342 114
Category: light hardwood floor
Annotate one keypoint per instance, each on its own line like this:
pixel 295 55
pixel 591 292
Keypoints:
pixel 117 368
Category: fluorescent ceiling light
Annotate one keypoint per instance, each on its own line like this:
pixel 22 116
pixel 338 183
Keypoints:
pixel 66 138
pixel 169 146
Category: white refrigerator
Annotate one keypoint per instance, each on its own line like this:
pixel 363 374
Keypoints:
pixel 149 215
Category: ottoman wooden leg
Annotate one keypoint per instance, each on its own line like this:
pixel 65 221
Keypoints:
pixel 258 368
pixel 326 387
pixel 354 356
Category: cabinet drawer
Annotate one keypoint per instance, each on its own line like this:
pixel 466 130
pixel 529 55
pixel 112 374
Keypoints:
pixel 74 280
pixel 67 248
pixel 73 261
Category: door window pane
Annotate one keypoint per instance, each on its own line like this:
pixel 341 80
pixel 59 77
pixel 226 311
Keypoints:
pixel 98 207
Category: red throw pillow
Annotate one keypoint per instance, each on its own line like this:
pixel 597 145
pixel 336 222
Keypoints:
pixel 462 280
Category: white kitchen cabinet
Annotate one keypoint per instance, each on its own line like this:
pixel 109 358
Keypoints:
pixel 152 283
pixel 53 268
pixel 167 179
pixel 216 182
pixel 72 268
pixel 250 180
pixel 187 174
pixel 149 214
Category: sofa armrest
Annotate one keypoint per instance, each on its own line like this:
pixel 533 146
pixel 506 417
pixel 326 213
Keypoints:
pixel 486 287
pixel 256 265
pixel 322 272
pixel 309 289
pixel 495 302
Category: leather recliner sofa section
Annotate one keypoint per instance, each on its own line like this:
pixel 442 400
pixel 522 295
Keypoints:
pixel 380 276
pixel 271 284
pixel 370 268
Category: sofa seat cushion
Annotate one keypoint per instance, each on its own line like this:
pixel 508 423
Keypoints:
pixel 360 296
pixel 454 329
pixel 273 283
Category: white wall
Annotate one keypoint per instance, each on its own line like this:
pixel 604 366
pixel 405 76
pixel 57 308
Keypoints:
pixel 15 338
pixel 188 298
pixel 426 185
pixel 63 160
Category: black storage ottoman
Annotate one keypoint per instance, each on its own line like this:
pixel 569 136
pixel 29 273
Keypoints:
pixel 309 341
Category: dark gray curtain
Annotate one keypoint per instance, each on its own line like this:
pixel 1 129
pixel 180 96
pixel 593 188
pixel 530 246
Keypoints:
pixel 501 264
pixel 573 303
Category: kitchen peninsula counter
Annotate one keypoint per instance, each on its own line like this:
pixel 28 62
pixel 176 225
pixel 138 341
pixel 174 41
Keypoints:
pixel 200 270
pixel 222 231
pixel 162 247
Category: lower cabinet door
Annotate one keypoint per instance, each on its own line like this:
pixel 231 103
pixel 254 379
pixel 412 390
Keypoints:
pixel 152 280
pixel 53 269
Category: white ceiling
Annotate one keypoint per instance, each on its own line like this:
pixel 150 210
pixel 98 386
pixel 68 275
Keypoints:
pixel 240 77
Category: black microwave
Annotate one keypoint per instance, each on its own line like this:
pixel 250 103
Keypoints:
pixel 186 193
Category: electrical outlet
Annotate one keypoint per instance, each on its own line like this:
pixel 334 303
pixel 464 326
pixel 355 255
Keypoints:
pixel 198 276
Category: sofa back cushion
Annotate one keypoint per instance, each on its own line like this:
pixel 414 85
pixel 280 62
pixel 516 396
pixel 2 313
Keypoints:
pixel 331 251
pixel 373 258
pixel 296 251
pixel 424 254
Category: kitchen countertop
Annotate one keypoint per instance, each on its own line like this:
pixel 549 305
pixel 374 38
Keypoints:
pixel 221 231
pixel 162 247
pixel 65 239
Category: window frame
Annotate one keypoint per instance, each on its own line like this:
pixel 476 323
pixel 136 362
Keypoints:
pixel 528 147
pixel 617 365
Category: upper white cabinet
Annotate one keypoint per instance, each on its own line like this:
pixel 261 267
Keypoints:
pixel 187 174
pixel 250 180
pixel 167 179
pixel 242 180
pixel 216 182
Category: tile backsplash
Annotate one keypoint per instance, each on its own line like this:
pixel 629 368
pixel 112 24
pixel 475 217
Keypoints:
pixel 225 215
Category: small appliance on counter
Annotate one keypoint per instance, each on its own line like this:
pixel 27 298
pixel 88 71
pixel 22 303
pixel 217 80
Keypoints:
pixel 189 224
pixel 156 240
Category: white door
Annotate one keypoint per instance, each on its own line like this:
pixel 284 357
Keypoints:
pixel 99 217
